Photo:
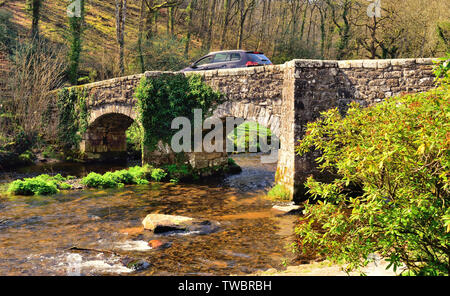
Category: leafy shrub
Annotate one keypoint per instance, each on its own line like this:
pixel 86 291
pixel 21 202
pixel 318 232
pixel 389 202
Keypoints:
pixel 133 175
pixel 232 162
pixel 279 192
pixel 442 69
pixel 94 180
pixel 178 171
pixel 40 185
pixel 158 174
pixel 134 139
pixel 397 152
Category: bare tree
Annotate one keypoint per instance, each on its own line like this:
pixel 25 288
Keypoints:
pixel 36 69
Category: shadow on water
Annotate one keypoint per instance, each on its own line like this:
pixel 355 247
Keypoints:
pixel 37 232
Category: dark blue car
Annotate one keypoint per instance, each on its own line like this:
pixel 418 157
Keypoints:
pixel 229 59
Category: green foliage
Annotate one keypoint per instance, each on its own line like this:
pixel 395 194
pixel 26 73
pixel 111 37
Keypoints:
pixel 231 162
pixel 76 30
pixel 442 69
pixel 73 116
pixel 249 133
pixel 134 136
pixel 133 175
pixel 397 152
pixel 163 98
pixel 279 192
pixel 94 180
pixel 158 174
pixel 40 185
pixel 178 171
pixel 27 157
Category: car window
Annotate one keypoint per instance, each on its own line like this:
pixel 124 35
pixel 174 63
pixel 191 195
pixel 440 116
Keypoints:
pixel 204 61
pixel 259 58
pixel 235 56
pixel 220 57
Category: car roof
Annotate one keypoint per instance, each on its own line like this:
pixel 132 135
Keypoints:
pixel 234 50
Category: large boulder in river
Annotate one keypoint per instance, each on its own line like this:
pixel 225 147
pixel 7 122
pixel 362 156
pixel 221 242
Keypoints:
pixel 159 223
pixel 163 223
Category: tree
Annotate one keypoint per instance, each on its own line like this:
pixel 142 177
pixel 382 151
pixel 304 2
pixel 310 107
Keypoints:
pixel 34 6
pixel 121 12
pixel 189 14
pixel 225 22
pixel 76 26
pixel 243 11
pixel 340 14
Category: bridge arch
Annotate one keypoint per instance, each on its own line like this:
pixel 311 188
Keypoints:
pixel 250 112
pixel 105 137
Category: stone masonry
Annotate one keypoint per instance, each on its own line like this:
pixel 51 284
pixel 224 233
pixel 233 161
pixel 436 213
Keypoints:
pixel 281 97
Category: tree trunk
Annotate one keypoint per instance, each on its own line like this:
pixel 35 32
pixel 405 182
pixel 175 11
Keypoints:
pixel 141 25
pixel 226 15
pixel 210 25
pixel 121 12
pixel 35 7
pixel 189 12
pixel 76 24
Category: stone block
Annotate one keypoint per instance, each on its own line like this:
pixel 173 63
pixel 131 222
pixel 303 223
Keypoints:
pixel 370 64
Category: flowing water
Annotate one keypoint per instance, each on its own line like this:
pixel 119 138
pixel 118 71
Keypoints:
pixel 36 233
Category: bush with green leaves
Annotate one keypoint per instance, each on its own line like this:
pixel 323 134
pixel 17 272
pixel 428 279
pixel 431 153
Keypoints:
pixel 40 185
pixel 158 174
pixel 397 152
pixel 134 139
pixel 133 175
pixel 95 180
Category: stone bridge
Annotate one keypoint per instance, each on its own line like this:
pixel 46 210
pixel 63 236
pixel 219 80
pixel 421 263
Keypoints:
pixel 281 97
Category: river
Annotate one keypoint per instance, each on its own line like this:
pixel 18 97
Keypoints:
pixel 37 232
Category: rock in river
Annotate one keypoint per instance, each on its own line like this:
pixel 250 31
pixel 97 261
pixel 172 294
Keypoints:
pixel 163 223
pixel 159 223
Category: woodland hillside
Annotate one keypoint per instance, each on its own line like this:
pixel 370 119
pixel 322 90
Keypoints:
pixel 167 35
